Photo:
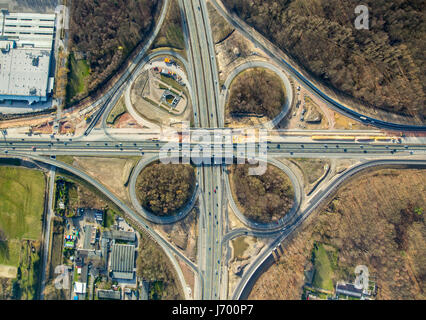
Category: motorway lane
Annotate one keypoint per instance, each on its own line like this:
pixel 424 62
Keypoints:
pixel 275 149
pixel 195 54
pixel 205 76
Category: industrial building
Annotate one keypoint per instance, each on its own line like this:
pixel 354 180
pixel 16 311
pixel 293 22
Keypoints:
pixel 26 41
pixel 109 294
pixel 119 235
pixel 122 261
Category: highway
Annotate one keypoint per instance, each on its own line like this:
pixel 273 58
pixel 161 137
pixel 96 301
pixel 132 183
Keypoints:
pixel 285 148
pixel 213 190
pixel 205 77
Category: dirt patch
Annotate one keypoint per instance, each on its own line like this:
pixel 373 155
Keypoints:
pixel 8 272
pixel 233 51
pixel 127 121
pixel 184 233
pixel 188 274
pixel 112 172
pixel 221 29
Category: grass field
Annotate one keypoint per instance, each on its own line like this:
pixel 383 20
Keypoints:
pixel 118 110
pixel 21 210
pixel 22 202
pixel 79 72
pixel 323 268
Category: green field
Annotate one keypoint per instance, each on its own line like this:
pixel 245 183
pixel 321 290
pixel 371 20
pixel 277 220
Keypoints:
pixel 118 110
pixel 79 71
pixel 10 252
pixel 22 202
pixel 21 209
pixel 323 264
pixel 171 34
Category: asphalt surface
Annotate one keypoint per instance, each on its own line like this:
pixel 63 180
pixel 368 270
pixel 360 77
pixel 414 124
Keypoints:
pixel 207 115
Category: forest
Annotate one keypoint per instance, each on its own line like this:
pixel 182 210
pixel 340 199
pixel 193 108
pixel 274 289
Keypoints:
pixel 105 33
pixel 153 265
pixel 165 188
pixel 256 92
pixel 382 67
pixel 264 198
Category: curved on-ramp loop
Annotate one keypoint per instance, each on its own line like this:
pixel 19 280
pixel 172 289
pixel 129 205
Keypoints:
pixel 281 223
pixel 146 213
pixel 265 65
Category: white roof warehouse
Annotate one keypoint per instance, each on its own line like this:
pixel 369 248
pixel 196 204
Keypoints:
pixel 25 49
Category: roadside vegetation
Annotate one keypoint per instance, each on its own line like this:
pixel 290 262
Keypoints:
pixel 256 92
pixel 164 189
pixel 382 67
pixel 154 266
pixel 116 112
pixel 221 29
pixel 262 198
pixel 78 76
pixel 104 34
pixel 171 34
pixel 21 209
pixel 381 226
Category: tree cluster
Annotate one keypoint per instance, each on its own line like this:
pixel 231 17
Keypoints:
pixel 107 31
pixel 381 67
pixel 264 198
pixel 165 188
pixel 153 265
pixel 256 92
